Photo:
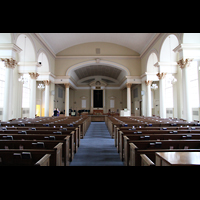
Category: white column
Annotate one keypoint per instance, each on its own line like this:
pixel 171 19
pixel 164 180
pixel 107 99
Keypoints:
pixel 67 85
pixel 129 96
pixel 148 99
pixel 161 77
pixel 10 65
pixel 32 110
pixel 184 65
pixel 46 108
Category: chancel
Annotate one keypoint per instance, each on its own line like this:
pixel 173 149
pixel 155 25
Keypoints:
pixel 100 81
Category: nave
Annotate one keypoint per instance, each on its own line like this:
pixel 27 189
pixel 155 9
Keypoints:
pixel 97 148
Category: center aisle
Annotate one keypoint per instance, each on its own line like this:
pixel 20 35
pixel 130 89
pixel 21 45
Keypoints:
pixel 97 148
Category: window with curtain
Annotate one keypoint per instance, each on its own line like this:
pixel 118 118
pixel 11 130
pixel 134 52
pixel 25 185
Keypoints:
pixel 2 83
pixel 26 91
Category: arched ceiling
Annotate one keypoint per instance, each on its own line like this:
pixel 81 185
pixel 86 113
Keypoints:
pixel 60 41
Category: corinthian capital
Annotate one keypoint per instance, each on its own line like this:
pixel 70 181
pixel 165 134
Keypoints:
pixel 9 63
pixel 47 82
pixel 33 75
pixel 67 85
pixel 185 63
pixel 161 75
pixel 128 85
pixel 148 83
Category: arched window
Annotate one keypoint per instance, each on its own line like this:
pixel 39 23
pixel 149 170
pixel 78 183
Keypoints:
pixel 26 91
pixel 2 82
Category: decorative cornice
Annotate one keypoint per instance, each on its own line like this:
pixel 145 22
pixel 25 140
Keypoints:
pixel 9 63
pixel 10 46
pixel 182 47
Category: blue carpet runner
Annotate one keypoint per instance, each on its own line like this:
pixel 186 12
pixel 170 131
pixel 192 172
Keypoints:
pixel 97 148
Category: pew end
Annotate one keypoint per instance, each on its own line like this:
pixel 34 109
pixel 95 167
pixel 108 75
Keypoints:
pixel 44 161
pixel 145 161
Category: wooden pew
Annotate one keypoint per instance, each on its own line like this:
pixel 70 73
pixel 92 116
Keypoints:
pixel 6 155
pixel 147 148
pixel 145 161
pixel 43 137
pixel 44 161
pixel 73 143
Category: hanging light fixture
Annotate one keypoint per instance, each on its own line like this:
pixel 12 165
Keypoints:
pixel 21 79
pixel 41 86
pixel 154 87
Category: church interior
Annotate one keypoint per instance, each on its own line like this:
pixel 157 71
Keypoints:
pixel 99 99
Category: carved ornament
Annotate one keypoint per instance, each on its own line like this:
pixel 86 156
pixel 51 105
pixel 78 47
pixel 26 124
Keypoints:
pixel 33 75
pixel 185 63
pixel 161 75
pixel 9 63
pixel 148 83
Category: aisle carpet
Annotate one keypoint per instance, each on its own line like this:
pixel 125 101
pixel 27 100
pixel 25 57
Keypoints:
pixel 97 148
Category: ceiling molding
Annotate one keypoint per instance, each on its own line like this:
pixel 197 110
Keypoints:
pixel 45 44
pixel 93 57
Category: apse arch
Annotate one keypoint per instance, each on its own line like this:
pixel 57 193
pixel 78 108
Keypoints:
pixel 70 71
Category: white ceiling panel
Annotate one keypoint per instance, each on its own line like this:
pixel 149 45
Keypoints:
pixel 60 41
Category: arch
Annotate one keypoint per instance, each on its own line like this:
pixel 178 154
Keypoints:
pixel 43 58
pixel 166 52
pixel 30 55
pixel 70 71
pixel 152 59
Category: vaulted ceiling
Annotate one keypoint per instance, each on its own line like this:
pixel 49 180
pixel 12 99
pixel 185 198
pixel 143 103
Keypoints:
pixel 97 70
pixel 60 41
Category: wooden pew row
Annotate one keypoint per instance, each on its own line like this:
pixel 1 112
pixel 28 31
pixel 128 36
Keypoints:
pixel 66 152
pixel 127 139
pixel 120 134
pixel 113 123
pixel 7 156
pixel 149 148
pixel 56 129
pixel 15 159
pixel 72 134
pixel 31 144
